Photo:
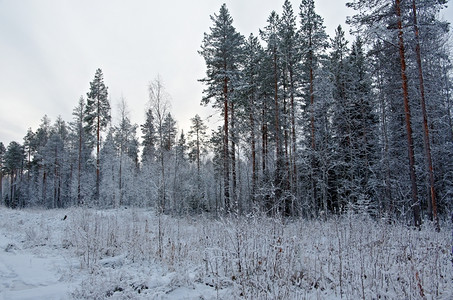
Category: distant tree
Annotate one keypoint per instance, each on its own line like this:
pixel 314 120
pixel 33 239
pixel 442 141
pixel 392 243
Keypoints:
pixel 97 116
pixel 149 138
pixel 198 140
pixel 109 188
pixel 41 138
pixel 30 149
pixel 159 103
pixel 2 154
pixel 169 133
pixel 126 143
pixel 13 163
pixel 197 148
pixel 181 175
pixel 81 146
pixel 54 164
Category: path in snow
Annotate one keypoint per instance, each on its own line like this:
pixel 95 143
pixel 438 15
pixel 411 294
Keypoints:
pixel 24 275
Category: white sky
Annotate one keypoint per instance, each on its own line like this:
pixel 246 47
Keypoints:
pixel 50 50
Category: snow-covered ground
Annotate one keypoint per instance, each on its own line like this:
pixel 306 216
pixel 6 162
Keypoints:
pixel 30 266
pixel 134 254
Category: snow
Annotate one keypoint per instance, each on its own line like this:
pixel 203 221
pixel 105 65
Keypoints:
pixel 27 275
pixel 118 254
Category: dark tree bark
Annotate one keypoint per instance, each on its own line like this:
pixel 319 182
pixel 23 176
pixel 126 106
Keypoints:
pixel 226 155
pixel 410 143
pixel 432 206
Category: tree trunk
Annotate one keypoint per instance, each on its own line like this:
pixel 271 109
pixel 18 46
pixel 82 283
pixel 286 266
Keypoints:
pixel 226 155
pixel 432 206
pixel 1 184
pixel 286 179
pixel 79 167
pixel 11 194
pixel 278 147
pixel 293 133
pixel 120 179
pixel 264 135
pixel 312 127
pixel 253 145
pixel 98 141
pixel 448 98
pixel 410 144
pixel 44 187
pixel 233 160
pixel 55 179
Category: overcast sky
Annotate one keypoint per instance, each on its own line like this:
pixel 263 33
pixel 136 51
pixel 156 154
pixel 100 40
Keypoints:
pixel 50 50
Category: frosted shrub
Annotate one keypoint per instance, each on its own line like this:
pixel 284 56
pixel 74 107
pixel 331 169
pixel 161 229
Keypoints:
pixel 259 257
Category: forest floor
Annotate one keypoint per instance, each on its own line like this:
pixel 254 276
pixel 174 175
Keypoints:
pixel 134 254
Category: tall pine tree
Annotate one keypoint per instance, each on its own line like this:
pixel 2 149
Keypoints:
pixel 222 51
pixel 97 116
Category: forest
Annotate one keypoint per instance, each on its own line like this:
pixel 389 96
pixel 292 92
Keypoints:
pixel 312 126
pixel 329 173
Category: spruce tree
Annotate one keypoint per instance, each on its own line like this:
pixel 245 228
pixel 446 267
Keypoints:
pixel 149 142
pixel 169 133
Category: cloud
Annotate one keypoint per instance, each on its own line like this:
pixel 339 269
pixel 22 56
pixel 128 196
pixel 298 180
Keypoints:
pixel 50 50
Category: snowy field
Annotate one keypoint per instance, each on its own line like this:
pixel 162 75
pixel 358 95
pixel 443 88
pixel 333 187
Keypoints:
pixel 134 254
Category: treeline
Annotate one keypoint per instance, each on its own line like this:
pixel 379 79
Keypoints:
pixel 311 126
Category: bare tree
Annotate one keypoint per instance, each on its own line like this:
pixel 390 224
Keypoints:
pixel 160 106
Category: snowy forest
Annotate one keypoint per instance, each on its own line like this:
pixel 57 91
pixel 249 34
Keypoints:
pixel 330 151
pixel 311 125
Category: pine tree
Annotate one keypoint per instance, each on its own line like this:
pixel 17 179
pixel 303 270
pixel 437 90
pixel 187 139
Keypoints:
pixel 290 53
pixel 97 116
pixel 270 36
pixel 313 41
pixel 42 136
pixel 391 22
pixel 432 203
pixel 82 151
pixel 221 50
pixel 197 148
pixel 198 138
pixel 251 92
pixel 434 41
pixel 53 163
